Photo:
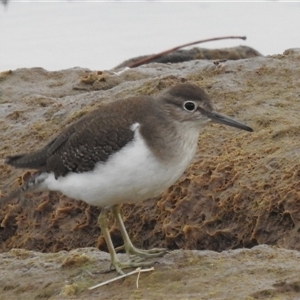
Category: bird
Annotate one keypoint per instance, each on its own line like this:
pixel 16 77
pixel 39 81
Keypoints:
pixel 126 151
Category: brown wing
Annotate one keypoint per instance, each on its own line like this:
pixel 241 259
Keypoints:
pixel 91 139
pixel 90 143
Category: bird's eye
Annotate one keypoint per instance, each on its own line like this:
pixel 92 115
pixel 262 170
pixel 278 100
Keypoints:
pixel 189 106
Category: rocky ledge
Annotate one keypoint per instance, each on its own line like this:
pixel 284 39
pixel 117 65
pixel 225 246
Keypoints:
pixel 241 191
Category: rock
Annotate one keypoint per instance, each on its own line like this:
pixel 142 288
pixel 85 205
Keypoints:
pixel 178 56
pixel 242 189
pixel 262 272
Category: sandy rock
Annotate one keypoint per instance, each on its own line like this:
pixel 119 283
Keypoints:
pixel 242 189
pixel 262 272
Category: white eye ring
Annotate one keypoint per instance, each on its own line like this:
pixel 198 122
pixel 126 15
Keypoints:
pixel 189 106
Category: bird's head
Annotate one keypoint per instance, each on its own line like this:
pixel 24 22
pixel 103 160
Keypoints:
pixel 189 103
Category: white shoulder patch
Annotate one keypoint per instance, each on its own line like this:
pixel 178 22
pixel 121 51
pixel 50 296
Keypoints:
pixel 135 126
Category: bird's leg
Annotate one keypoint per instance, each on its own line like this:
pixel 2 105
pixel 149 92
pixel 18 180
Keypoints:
pixel 103 223
pixel 115 262
pixel 128 246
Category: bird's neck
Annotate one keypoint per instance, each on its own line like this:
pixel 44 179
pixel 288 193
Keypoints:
pixel 174 141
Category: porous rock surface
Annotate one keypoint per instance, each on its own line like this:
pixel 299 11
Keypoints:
pixel 241 191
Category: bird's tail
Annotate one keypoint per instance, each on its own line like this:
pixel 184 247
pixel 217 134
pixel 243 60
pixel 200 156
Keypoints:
pixel 31 184
pixel 35 160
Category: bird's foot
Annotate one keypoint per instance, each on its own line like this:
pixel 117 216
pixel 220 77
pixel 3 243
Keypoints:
pixel 154 252
pixel 134 252
pixel 119 266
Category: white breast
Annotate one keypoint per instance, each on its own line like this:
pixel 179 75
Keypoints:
pixel 130 175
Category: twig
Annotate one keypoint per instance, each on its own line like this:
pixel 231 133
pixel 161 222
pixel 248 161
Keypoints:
pixel 137 271
pixel 151 57
pixel 138 277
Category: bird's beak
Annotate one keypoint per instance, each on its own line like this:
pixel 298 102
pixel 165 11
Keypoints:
pixel 218 118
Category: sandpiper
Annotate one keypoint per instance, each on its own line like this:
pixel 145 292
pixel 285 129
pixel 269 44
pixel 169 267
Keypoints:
pixel 126 151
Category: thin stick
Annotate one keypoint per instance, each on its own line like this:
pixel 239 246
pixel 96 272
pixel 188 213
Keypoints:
pixel 151 57
pixel 138 277
pixel 137 271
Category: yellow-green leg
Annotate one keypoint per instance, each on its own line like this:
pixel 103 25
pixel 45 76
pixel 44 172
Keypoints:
pixel 128 246
pixel 115 262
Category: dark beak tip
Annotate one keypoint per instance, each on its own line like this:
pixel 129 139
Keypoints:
pixel 221 119
pixel 246 128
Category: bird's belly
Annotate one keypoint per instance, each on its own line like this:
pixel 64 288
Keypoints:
pixel 133 174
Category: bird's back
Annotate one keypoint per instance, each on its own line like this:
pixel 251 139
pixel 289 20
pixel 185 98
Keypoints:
pixel 91 139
